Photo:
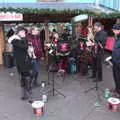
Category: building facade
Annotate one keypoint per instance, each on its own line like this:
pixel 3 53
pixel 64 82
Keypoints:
pixel 114 4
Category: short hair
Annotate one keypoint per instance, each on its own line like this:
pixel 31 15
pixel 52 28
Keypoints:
pixel 98 24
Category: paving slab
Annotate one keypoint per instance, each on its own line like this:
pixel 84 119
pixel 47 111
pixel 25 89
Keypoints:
pixel 77 105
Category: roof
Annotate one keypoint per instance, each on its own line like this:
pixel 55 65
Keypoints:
pixel 53 5
pixel 38 17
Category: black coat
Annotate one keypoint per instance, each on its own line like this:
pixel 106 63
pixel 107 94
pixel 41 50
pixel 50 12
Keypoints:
pixel 101 38
pixel 23 62
pixel 116 50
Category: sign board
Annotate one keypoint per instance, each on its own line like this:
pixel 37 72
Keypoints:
pixel 11 16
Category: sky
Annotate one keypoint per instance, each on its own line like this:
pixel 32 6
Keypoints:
pixel 33 1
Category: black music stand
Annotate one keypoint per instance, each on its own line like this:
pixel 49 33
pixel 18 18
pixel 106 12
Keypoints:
pixel 53 86
pixel 53 75
pixel 96 87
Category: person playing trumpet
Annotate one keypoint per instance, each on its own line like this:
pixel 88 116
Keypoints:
pixel 99 43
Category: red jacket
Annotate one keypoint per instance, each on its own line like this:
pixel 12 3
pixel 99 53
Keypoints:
pixel 36 43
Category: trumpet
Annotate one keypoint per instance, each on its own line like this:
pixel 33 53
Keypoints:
pixel 90 36
pixel 91 39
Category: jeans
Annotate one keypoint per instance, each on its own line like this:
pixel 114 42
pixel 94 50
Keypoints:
pixel 36 63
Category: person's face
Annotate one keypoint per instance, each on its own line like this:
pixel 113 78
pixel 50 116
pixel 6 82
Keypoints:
pixel 116 32
pixel 97 29
pixel 35 31
pixel 22 33
pixel 56 35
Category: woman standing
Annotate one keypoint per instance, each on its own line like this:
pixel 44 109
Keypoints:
pixel 34 41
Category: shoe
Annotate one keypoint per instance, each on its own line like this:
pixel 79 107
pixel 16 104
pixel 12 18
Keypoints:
pixel 30 101
pixel 24 98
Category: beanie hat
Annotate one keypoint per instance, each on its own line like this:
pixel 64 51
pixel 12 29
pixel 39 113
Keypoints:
pixel 21 28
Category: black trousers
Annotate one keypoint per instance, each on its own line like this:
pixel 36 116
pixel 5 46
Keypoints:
pixel 97 66
pixel 116 75
pixel 26 84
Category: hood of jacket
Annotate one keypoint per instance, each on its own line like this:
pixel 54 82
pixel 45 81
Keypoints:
pixel 12 38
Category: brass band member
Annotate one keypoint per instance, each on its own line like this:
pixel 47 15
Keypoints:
pixel 100 40
pixel 116 58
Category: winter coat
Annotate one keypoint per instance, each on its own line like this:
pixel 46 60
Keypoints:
pixel 101 38
pixel 20 48
pixel 116 50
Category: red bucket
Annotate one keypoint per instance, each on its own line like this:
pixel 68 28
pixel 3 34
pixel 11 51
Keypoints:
pixel 113 104
pixel 38 108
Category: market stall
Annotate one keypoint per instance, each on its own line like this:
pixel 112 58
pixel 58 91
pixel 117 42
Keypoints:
pixel 46 15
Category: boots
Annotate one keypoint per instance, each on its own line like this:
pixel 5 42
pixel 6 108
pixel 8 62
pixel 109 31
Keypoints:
pixel 23 93
pixel 27 89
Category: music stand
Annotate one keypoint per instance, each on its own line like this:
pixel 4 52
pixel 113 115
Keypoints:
pixel 96 87
pixel 48 73
pixel 53 76
pixel 53 86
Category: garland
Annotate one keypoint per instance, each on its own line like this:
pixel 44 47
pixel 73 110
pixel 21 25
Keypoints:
pixel 92 13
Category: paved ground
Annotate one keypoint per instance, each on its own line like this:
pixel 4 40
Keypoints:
pixel 76 106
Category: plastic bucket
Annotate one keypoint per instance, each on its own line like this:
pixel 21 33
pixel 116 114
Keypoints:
pixel 38 108
pixel 113 104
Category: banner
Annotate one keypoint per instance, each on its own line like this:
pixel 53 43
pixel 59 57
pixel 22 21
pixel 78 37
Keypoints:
pixel 11 16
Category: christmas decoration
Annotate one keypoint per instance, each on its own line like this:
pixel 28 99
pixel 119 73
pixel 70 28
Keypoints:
pixel 48 12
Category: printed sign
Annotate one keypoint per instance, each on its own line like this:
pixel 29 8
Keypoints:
pixel 11 16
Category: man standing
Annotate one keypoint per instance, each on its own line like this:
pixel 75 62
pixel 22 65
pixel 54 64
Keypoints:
pixel 24 65
pixel 116 58
pixel 100 40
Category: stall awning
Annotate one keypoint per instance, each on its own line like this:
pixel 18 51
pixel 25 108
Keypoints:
pixel 39 12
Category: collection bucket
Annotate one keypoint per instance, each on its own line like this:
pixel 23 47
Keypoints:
pixel 113 104
pixel 38 108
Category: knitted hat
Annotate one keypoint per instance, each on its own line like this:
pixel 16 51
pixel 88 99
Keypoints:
pixel 21 28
